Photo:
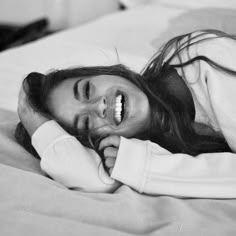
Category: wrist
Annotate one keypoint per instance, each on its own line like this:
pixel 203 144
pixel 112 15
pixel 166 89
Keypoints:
pixel 32 125
pixel 130 170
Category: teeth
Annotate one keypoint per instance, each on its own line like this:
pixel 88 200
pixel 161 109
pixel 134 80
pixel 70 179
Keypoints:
pixel 118 108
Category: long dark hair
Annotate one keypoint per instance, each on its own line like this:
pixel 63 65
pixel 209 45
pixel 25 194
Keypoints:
pixel 177 128
pixel 171 103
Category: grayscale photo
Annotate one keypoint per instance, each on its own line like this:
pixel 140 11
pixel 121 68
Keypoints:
pixel 117 117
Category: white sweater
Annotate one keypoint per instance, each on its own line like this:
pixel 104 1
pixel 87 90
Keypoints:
pixel 147 167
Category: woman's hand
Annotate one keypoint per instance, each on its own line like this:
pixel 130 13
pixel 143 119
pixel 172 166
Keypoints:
pixel 110 146
pixel 30 118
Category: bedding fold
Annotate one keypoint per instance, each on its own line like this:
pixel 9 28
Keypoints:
pixel 32 204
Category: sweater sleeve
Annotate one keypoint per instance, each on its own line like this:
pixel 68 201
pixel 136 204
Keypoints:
pixel 150 169
pixel 68 162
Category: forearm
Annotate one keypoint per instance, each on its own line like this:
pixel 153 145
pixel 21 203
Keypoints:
pixel 32 125
pixel 67 161
pixel 150 169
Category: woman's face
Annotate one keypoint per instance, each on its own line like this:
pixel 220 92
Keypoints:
pixel 103 105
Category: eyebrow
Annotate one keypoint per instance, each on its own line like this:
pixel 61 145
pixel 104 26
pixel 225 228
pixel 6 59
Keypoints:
pixel 75 89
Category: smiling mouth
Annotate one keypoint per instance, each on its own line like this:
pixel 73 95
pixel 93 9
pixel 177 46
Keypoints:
pixel 119 108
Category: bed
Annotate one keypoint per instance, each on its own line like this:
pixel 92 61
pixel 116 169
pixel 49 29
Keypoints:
pixel 31 203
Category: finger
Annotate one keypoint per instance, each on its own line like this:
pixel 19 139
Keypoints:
pixel 25 85
pixel 23 102
pixel 22 97
pixel 110 170
pixel 112 140
pixel 110 152
pixel 22 90
pixel 110 162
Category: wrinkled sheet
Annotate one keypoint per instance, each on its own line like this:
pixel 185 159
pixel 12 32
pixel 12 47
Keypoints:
pixel 32 204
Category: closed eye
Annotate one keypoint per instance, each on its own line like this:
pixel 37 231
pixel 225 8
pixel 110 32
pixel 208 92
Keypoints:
pixel 76 93
pixel 86 123
pixel 87 90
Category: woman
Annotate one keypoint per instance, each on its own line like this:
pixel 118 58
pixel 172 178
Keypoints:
pixel 182 104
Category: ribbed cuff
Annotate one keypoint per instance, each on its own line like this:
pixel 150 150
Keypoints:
pixel 131 163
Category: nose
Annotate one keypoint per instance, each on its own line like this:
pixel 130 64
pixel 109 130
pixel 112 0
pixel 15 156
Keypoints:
pixel 98 106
